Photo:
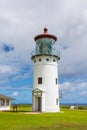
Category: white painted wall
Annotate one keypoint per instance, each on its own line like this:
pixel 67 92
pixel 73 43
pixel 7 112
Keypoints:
pixel 48 70
pixel 5 107
pixel 43 102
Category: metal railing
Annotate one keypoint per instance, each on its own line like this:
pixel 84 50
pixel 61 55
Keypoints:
pixel 56 53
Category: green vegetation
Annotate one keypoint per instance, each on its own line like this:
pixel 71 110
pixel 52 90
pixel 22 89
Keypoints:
pixel 65 120
pixel 76 107
pixel 23 108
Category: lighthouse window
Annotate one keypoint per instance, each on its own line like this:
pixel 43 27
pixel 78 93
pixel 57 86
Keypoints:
pixel 56 80
pixel 57 101
pixel 40 80
pixel 47 59
pixel 34 61
pixel 53 60
pixel 39 59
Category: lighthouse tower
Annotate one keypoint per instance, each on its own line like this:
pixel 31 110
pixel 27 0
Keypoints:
pixel 45 94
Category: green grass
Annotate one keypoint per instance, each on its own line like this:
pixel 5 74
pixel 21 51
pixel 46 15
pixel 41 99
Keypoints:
pixel 65 120
pixel 23 108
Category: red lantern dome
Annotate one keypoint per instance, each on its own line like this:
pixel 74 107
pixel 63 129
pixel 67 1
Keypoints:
pixel 45 35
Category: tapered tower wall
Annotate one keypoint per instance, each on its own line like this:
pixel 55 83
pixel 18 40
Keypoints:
pixel 45 89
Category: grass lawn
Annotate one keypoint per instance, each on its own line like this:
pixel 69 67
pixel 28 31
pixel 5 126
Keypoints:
pixel 65 120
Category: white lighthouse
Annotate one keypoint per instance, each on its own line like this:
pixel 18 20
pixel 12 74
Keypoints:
pixel 45 94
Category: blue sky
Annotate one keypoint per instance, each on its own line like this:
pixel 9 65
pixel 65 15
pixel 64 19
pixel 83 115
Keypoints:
pixel 20 22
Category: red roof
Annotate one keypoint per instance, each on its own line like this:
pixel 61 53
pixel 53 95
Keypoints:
pixel 45 35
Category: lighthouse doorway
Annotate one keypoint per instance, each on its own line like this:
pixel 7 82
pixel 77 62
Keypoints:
pixel 38 100
pixel 39 103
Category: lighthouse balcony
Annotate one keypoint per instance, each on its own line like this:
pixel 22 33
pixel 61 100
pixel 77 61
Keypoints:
pixel 35 53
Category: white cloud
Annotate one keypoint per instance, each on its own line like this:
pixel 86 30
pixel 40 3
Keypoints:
pixel 83 84
pixel 6 88
pixel 83 93
pixel 73 91
pixel 67 87
pixel 73 86
pixel 21 20
pixel 15 94
pixel 5 69
pixel 3 80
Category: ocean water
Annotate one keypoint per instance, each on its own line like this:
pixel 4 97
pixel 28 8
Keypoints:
pixel 73 104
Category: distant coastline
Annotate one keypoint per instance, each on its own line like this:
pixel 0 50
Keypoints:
pixel 61 104
pixel 73 104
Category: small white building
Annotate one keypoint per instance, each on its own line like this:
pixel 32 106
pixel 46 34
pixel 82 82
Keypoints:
pixel 5 102
pixel 45 90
